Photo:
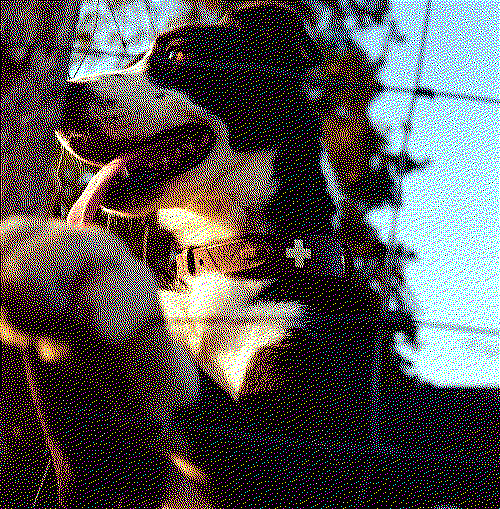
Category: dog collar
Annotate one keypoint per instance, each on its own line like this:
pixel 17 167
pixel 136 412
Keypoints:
pixel 268 258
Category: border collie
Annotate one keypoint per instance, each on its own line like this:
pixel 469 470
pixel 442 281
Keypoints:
pixel 208 152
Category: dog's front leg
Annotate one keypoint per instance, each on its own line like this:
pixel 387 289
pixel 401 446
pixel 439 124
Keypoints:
pixel 102 369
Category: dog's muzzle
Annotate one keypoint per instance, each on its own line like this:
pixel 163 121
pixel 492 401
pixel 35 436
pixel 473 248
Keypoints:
pixel 135 178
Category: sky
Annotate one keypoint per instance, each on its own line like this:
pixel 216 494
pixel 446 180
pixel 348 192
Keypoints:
pixel 450 210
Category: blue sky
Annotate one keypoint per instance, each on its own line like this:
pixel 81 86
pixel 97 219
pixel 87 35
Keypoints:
pixel 450 212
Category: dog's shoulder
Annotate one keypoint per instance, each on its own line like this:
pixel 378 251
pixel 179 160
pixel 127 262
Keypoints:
pixel 323 363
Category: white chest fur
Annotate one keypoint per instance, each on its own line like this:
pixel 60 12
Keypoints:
pixel 216 319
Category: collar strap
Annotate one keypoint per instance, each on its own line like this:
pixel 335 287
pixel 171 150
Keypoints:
pixel 317 255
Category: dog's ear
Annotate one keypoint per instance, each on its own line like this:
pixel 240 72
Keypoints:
pixel 278 31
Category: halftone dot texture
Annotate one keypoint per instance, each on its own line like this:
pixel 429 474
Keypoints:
pixel 298 436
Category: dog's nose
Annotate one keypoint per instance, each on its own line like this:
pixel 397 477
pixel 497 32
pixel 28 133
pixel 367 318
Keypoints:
pixel 76 100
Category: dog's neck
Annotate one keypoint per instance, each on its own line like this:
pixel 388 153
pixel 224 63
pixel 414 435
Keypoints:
pixel 223 316
pixel 213 314
pixel 230 207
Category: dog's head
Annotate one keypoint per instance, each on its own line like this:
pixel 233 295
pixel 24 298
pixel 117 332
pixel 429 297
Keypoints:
pixel 240 78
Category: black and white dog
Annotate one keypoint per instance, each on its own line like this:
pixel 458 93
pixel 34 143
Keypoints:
pixel 212 139
pixel 253 380
pixel 211 144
